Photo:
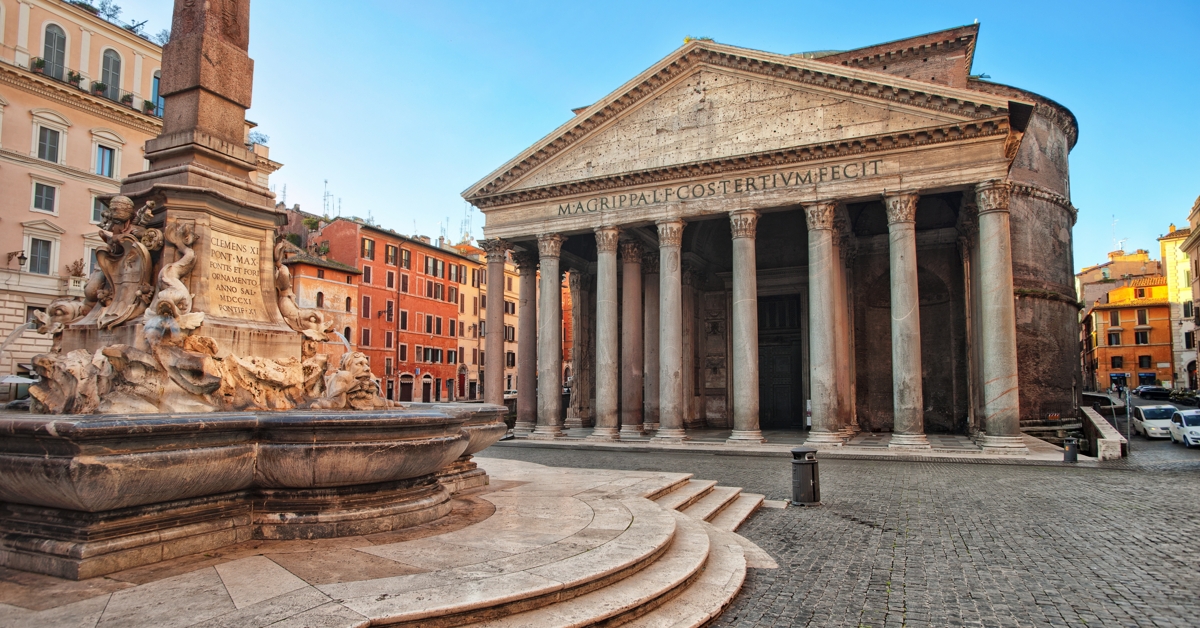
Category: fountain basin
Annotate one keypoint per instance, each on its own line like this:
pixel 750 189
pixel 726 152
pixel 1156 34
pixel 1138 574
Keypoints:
pixel 88 495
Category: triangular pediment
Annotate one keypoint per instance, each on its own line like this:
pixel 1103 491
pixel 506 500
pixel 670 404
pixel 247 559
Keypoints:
pixel 709 102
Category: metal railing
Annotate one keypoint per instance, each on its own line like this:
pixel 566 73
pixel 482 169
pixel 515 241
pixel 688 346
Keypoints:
pixel 65 75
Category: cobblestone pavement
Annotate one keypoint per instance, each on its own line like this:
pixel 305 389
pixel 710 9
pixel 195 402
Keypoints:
pixel 938 544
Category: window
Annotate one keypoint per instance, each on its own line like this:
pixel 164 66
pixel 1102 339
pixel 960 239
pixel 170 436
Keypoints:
pixel 451 357
pixel 349 304
pixel 48 142
pixel 320 273
pixel 482 358
pixel 1188 309
pixel 387 341
pixel 110 74
pixel 368 249
pixel 1143 317
pixel 418 354
pixel 405 259
pixel 404 284
pixel 475 306
pixel 346 334
pixel 391 279
pixel 429 324
pixel 483 301
pixel 1189 340
pixel 155 97
pixel 510 307
pixel 390 255
pixel 43 197
pixel 403 320
pixel 453 273
pixel 387 362
pixel 474 356
pixel 1114 338
pixel 366 307
pixel 389 310
pixel 320 299
pixel 404 353
pixel 105 159
pixel 39 256
pixel 509 288
pixel 462 304
pixel 366 274
pixel 1118 362
pixel 1140 293
pixel 366 338
pixel 1114 318
pixel 97 211
pixel 453 327
pixel 1141 337
pixel 1143 361
pixel 510 359
pixel 54 52
pixel 438 326
pixel 452 294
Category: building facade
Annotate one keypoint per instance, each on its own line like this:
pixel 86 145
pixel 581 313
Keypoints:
pixel 1093 283
pixel 1128 337
pixel 1191 248
pixel 331 287
pixel 774 214
pixel 64 143
pixel 1177 269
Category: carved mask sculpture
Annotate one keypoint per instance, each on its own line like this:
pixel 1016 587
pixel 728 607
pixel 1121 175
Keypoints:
pixel 126 264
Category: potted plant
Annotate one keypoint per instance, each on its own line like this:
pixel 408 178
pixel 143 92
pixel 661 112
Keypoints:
pixel 38 65
pixel 74 77
pixel 127 99
pixel 99 88
pixel 148 107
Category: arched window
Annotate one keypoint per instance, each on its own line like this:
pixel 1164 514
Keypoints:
pixel 349 304
pixel 320 299
pixel 54 52
pixel 346 334
pixel 110 74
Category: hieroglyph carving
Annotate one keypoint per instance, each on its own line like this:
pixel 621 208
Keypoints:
pixel 820 215
pixel 743 223
pixel 901 207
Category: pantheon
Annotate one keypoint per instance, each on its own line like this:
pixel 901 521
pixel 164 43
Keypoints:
pixel 874 236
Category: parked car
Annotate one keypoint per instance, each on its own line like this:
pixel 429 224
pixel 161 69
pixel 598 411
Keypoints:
pixel 1185 427
pixel 1155 392
pixel 1138 391
pixel 1153 421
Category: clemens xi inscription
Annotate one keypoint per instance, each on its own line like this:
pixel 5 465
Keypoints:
pixel 234 274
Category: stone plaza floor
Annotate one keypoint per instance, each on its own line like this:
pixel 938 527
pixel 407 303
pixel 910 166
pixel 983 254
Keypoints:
pixel 941 544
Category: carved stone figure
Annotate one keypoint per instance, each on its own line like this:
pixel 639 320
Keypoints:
pixel 309 322
pixel 68 384
pixel 58 315
pixel 171 309
pixel 126 263
pixel 352 387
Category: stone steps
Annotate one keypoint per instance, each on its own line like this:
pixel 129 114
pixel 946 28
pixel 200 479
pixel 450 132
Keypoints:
pixel 686 495
pixel 709 506
pixel 732 516
pixel 710 594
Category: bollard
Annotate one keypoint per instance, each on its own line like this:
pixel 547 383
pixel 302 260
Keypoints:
pixel 1070 449
pixel 806 484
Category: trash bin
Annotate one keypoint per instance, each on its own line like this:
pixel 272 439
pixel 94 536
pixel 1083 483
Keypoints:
pixel 1070 449
pixel 806 484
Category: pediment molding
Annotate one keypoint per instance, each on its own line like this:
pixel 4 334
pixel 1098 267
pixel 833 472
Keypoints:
pixel 998 126
pixel 875 86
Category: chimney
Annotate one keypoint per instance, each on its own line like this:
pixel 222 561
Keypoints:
pixel 1171 229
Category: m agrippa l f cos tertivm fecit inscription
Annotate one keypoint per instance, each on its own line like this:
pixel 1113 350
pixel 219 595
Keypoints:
pixel 722 187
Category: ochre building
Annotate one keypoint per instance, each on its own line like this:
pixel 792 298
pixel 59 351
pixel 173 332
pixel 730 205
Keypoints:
pixel 875 234
pixel 1128 337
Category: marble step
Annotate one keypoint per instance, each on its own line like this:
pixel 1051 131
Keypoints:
pixel 492 589
pixel 686 495
pixel 732 516
pixel 631 597
pixel 712 504
pixel 710 594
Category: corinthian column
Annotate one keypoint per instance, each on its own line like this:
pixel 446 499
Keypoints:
pixel 650 345
pixel 549 415
pixel 526 343
pixel 1001 401
pixel 607 368
pixel 743 224
pixel 670 331
pixel 493 345
pixel 908 428
pixel 822 306
pixel 632 360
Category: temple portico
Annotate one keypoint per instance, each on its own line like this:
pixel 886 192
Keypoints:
pixel 860 277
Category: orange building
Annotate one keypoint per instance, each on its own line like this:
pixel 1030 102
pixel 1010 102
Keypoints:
pixel 1127 336
pixel 332 288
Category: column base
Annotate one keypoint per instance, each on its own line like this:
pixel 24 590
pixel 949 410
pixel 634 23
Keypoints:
pixel 650 427
pixel 523 428
pixel 909 441
pixel 632 431
pixel 745 437
pixel 824 439
pixel 1009 445
pixel 547 432
pixel 669 435
pixel 605 434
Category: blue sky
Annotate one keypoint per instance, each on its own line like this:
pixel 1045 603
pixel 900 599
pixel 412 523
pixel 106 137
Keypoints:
pixel 402 105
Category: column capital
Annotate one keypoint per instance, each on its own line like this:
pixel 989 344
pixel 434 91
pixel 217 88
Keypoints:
pixel 743 223
pixel 670 232
pixel 992 196
pixel 607 239
pixel 550 244
pixel 820 214
pixel 526 261
pixel 650 261
pixel 496 249
pixel 901 207
pixel 631 251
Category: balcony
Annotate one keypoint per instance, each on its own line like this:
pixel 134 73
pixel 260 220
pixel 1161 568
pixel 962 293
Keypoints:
pixel 67 76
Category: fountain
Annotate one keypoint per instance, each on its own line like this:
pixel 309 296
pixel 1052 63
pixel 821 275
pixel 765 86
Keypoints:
pixel 185 404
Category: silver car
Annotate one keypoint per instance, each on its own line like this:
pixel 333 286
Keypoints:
pixel 1153 421
pixel 1185 427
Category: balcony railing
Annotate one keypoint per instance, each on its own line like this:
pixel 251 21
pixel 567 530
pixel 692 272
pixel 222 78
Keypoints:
pixel 65 75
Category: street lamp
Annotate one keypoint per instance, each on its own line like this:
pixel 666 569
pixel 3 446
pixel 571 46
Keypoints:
pixel 21 259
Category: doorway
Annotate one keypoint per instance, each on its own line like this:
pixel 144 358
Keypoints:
pixel 780 363
pixel 406 388
pixel 426 391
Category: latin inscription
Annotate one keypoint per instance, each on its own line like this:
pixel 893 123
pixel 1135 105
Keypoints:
pixel 234 275
pixel 740 185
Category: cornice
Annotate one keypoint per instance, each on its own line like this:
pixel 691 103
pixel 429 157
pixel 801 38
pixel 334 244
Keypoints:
pixel 120 114
pixel 68 171
pixel 812 152
pixel 776 67
pixel 1042 194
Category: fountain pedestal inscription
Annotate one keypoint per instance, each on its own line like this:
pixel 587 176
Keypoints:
pixel 186 404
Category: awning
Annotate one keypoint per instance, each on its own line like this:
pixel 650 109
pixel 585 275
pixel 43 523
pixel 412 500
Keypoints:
pixel 17 379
